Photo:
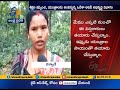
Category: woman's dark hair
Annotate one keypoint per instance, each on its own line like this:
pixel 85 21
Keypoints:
pixel 31 13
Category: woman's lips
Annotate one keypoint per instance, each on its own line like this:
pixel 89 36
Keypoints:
pixel 40 42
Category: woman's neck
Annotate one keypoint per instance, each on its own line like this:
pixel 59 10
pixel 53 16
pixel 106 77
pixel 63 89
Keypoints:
pixel 35 53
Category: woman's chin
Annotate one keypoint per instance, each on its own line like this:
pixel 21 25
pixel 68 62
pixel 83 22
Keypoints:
pixel 40 47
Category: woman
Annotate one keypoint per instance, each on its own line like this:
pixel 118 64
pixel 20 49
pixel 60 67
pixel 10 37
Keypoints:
pixel 37 32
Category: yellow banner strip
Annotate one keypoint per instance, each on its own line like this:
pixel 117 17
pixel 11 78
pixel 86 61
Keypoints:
pixel 59 76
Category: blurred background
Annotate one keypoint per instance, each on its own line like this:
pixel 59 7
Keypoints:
pixel 13 36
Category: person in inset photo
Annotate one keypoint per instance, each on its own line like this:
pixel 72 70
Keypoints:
pixel 38 34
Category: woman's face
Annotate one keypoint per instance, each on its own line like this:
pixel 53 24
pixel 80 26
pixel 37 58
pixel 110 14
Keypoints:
pixel 38 31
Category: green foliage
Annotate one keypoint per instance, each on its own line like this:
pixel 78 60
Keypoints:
pixel 13 36
pixel 59 41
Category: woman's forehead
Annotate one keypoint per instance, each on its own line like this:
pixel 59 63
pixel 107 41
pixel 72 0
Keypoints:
pixel 38 20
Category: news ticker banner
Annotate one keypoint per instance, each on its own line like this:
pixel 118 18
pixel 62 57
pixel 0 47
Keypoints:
pixel 59 84
pixel 60 77
pixel 74 5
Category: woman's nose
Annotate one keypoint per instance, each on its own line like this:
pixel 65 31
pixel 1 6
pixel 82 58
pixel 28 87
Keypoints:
pixel 39 33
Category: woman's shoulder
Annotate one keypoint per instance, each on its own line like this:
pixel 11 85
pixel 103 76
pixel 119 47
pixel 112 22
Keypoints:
pixel 18 62
pixel 20 57
pixel 56 58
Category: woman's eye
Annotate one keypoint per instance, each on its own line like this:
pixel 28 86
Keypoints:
pixel 44 27
pixel 34 29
